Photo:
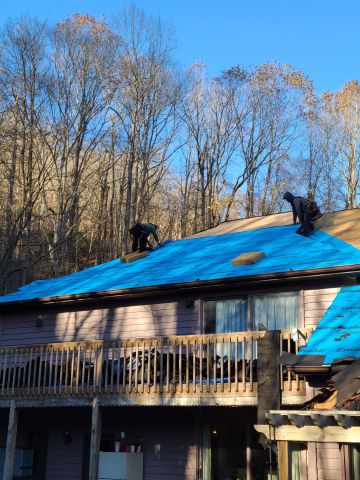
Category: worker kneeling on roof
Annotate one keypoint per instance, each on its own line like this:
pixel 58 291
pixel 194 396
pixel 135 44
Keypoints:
pixel 140 233
pixel 307 211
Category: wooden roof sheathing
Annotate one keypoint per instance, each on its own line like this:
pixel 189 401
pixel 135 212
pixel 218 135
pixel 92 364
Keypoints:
pixel 246 224
pixel 344 225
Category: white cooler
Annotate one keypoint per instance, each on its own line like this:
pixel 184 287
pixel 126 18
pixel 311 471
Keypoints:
pixel 120 466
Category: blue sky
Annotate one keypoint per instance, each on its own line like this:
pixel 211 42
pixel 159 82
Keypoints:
pixel 322 37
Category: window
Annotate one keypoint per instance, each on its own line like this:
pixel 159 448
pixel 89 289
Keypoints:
pixel 277 311
pixel 223 316
pixel 297 461
pixel 354 454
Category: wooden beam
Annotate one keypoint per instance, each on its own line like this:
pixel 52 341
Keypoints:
pixel 299 420
pixel 95 439
pixel 11 442
pixel 283 460
pixel 308 433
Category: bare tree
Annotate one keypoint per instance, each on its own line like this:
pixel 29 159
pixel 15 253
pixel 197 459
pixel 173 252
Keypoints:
pixel 343 108
pixel 82 53
pixel 145 102
pixel 22 72
pixel 267 117
pixel 211 137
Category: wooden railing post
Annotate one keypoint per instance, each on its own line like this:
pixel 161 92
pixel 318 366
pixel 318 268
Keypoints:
pixel 11 442
pixel 94 440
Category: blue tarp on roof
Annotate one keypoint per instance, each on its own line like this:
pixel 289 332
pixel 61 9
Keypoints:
pixel 338 332
pixel 199 259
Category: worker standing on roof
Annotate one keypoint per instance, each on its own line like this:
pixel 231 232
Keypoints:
pixel 140 233
pixel 306 211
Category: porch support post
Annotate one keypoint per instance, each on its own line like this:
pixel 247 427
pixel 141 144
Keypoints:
pixel 283 460
pixel 11 442
pixel 95 439
pixel 248 453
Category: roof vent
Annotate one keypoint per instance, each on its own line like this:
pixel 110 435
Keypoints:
pixel 247 258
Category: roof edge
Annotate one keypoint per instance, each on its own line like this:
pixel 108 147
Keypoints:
pixel 188 287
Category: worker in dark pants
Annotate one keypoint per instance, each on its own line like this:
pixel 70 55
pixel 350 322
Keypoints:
pixel 311 214
pixel 306 211
pixel 140 233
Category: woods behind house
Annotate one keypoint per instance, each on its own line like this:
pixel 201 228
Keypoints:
pixel 100 127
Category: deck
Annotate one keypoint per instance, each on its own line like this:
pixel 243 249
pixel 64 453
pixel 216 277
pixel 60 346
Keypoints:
pixel 216 369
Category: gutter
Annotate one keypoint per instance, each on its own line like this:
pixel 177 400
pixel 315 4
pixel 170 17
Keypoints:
pixel 196 287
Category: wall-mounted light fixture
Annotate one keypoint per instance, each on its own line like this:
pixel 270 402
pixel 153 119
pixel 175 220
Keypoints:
pixel 67 436
pixel 39 322
pixel 189 302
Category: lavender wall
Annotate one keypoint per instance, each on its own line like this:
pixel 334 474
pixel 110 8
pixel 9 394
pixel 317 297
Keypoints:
pixel 142 320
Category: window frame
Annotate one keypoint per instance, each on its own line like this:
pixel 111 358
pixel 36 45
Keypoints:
pixel 249 312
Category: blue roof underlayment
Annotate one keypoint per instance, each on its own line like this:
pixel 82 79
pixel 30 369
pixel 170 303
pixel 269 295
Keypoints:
pixel 199 259
pixel 338 332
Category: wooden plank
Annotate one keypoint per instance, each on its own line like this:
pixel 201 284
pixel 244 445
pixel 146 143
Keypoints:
pixel 95 439
pixel 11 442
pixel 87 344
pixel 247 258
pixel 283 460
pixel 131 257
pixel 309 433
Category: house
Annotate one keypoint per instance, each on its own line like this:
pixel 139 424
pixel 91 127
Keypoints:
pixel 173 357
pixel 330 422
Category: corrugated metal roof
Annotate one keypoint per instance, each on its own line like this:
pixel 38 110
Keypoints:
pixel 338 332
pixel 201 259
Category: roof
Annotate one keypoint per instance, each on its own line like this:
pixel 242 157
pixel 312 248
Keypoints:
pixel 202 259
pixel 246 224
pixel 338 332
pixel 344 225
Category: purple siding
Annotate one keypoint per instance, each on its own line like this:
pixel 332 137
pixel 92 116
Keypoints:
pixel 169 438
pixel 146 320
pixel 329 461
pixel 64 461
pixel 158 318
pixel 316 302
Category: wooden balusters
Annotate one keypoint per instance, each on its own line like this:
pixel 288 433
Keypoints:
pixel 187 365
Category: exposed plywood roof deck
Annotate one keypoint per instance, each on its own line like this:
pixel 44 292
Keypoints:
pixel 344 225
pixel 246 224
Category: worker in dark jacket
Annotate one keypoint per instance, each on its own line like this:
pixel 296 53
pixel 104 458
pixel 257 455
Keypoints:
pixel 140 233
pixel 306 211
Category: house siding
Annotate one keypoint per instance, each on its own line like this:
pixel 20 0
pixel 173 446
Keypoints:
pixel 146 320
pixel 64 461
pixel 329 461
pixel 159 318
pixel 168 437
pixel 316 302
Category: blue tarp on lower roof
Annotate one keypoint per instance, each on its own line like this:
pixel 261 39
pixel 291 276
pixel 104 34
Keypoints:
pixel 338 333
pixel 200 259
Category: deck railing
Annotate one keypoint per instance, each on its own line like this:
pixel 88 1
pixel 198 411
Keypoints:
pixel 181 365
